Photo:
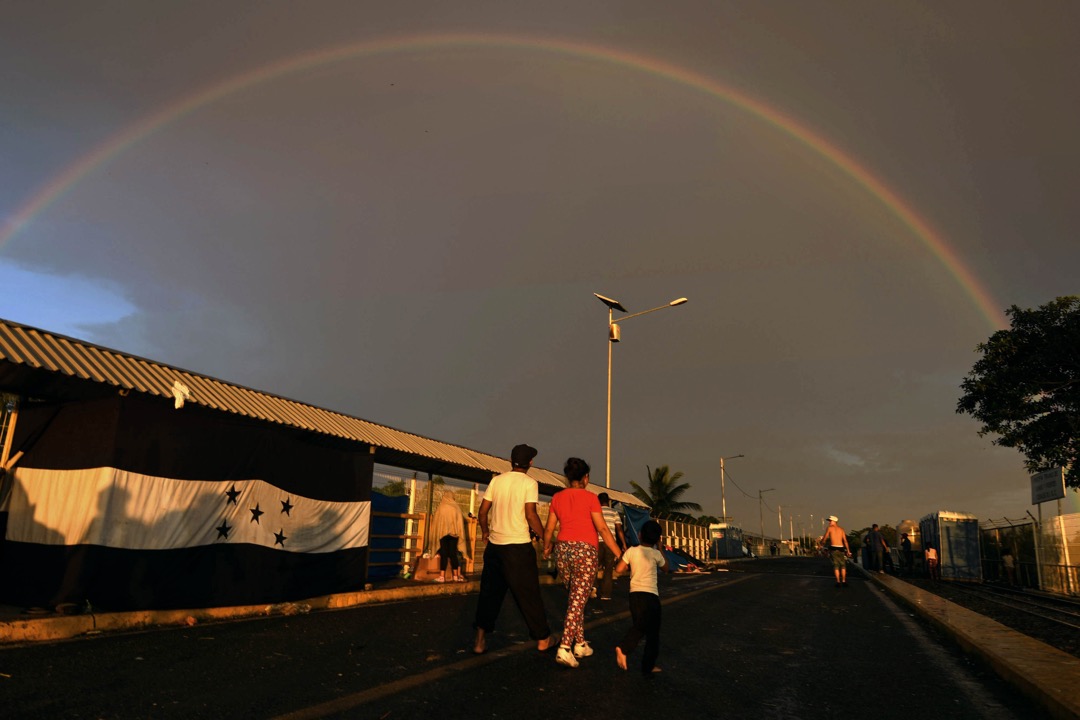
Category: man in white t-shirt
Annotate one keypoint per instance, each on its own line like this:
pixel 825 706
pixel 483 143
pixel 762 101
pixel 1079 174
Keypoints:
pixel 508 522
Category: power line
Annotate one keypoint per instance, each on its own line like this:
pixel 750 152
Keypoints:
pixel 727 476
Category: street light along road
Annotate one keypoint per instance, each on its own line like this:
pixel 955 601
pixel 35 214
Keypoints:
pixel 614 336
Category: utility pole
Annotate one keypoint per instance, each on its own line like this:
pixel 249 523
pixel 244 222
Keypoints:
pixel 761 517
pixel 723 498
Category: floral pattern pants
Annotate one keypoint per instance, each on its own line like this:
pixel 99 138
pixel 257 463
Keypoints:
pixel 577 563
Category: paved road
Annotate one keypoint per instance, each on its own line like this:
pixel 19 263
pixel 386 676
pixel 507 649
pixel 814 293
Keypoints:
pixel 771 639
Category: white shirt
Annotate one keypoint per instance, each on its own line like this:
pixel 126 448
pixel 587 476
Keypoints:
pixel 508 494
pixel 643 562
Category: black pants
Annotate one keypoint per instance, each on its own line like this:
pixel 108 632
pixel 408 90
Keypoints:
pixel 448 553
pixel 513 568
pixel 607 565
pixel 645 613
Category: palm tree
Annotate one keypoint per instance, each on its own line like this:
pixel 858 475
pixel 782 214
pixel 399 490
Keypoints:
pixel 663 493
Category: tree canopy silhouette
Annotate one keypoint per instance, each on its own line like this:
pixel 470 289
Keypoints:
pixel 664 492
pixel 1026 386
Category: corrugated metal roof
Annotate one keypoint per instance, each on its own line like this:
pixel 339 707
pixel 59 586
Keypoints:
pixel 44 351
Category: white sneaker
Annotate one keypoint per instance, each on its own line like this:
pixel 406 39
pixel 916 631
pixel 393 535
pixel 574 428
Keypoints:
pixel 566 657
pixel 582 649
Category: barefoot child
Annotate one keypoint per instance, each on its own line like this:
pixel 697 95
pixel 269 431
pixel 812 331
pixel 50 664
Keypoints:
pixel 643 561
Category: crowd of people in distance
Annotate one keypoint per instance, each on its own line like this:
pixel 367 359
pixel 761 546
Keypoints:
pixel 877 553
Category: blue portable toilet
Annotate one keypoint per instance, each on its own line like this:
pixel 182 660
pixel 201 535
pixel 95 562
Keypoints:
pixel 956 537
pixel 725 541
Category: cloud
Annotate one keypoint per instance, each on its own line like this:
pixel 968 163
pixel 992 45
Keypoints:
pixel 67 304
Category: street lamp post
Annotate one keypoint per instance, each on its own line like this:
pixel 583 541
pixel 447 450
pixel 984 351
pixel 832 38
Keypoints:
pixel 761 517
pixel 614 335
pixel 723 499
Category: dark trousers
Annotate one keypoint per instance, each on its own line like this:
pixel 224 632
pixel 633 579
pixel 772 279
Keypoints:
pixel 645 613
pixel 448 553
pixel 607 565
pixel 513 568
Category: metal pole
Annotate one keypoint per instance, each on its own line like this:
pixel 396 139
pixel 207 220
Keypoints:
pixel 1065 547
pixel 723 499
pixel 1036 531
pixel 607 469
pixel 9 431
pixel 1038 539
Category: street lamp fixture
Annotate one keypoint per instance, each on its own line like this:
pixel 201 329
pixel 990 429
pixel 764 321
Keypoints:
pixel 614 336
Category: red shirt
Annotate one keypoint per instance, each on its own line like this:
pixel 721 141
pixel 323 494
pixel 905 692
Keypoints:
pixel 574 508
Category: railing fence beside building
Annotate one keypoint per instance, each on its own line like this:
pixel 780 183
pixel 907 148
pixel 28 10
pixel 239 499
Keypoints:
pixel 1045 554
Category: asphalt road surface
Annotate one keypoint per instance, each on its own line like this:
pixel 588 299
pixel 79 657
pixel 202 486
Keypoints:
pixel 772 638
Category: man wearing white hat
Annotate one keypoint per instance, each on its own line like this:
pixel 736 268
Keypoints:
pixel 836 542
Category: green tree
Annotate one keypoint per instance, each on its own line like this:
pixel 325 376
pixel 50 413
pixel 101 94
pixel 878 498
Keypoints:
pixel 1026 386
pixel 394 488
pixel 664 492
pixel 854 539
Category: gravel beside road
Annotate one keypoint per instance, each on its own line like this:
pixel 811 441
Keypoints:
pixel 1044 630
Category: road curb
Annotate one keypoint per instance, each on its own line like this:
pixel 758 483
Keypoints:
pixel 1045 674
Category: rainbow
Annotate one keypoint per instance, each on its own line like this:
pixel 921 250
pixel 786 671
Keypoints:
pixel 132 134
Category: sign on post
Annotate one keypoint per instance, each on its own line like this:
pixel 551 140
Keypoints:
pixel 1048 485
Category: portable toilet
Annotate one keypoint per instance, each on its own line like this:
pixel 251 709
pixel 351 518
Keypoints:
pixel 725 541
pixel 956 537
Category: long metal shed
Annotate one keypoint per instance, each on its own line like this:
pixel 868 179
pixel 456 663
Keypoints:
pixel 41 364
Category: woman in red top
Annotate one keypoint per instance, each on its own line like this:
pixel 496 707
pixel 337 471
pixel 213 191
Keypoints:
pixel 576 511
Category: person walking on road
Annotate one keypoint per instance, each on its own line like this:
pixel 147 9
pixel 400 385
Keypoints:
pixel 607 559
pixel 508 522
pixel 875 543
pixel 578 515
pixel 643 560
pixel 836 543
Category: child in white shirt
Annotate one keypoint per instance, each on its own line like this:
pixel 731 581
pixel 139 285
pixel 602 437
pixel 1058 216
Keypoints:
pixel 643 561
